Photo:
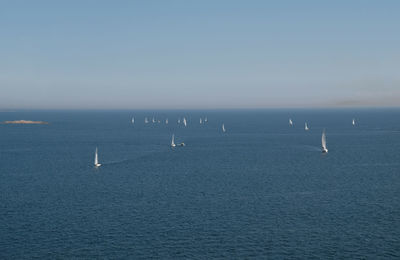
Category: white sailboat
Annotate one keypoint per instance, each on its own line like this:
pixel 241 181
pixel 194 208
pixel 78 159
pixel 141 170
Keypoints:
pixel 223 128
pixel 184 121
pixel 133 120
pixel 290 122
pixel 179 120
pixel 96 159
pixel 353 122
pixel 166 121
pixel 201 121
pixel 146 120
pixel 323 142
pixel 173 141
pixel 154 120
pixel 306 126
pixel 205 120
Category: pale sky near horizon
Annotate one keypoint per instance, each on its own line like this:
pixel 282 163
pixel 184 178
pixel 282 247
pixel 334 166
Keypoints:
pixel 199 54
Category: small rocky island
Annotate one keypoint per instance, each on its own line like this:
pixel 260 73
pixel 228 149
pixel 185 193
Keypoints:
pixel 26 122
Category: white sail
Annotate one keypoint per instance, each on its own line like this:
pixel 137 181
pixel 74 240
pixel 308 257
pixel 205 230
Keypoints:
pixel 354 122
pixel 96 159
pixel 179 120
pixel 146 120
pixel 323 142
pixel 306 126
pixel 290 122
pixel 133 120
pixel 173 141
pixel 166 121
pixel 154 120
pixel 184 121
pixel 223 128
pixel 201 121
pixel 205 120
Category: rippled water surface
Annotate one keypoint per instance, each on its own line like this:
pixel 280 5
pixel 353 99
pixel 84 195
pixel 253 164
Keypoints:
pixel 260 190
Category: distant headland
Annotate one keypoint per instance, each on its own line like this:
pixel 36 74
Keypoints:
pixel 26 122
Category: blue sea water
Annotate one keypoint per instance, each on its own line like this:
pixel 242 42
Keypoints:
pixel 260 190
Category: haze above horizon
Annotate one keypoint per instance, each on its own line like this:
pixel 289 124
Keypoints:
pixel 199 55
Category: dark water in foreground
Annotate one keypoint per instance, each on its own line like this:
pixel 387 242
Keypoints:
pixel 261 190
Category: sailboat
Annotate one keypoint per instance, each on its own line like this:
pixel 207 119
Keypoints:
pixel 205 120
pixel 201 121
pixel 223 128
pixel 173 141
pixel 154 120
pixel 133 120
pixel 290 122
pixel 179 120
pixel 323 142
pixel 184 121
pixel 306 126
pixel 96 159
pixel 166 121
pixel 146 120
pixel 354 122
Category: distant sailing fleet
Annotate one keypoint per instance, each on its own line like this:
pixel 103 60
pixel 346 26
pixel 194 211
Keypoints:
pixel 324 148
pixel 204 120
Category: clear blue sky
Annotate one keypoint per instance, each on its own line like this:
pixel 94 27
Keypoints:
pixel 199 54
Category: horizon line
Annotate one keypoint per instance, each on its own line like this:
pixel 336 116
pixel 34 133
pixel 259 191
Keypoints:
pixel 2 110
